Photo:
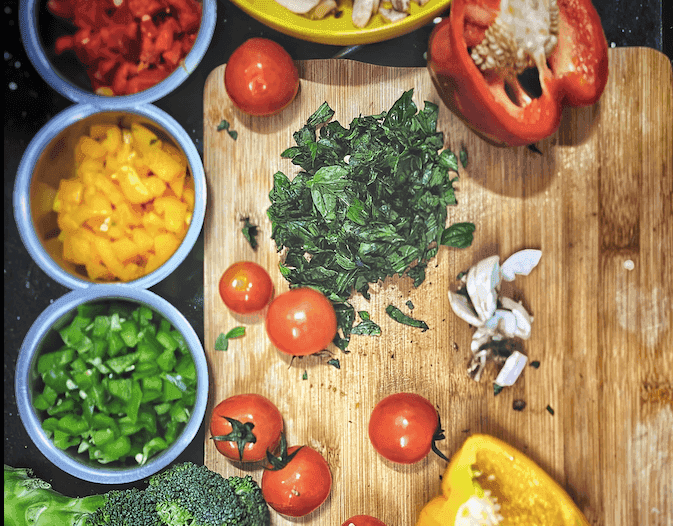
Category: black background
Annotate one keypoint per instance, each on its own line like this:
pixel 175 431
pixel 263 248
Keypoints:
pixel 30 103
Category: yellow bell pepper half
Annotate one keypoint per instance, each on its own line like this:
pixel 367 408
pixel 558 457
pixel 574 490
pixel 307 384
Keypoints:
pixel 490 483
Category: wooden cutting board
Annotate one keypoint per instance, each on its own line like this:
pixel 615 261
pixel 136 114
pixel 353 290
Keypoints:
pixel 598 202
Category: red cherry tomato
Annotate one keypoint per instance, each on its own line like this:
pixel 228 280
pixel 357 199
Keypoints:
pixel 260 77
pixel 363 520
pixel 245 287
pixel 403 428
pixel 298 481
pixel 245 426
pixel 301 321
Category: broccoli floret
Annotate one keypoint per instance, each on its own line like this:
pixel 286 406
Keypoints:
pixel 31 501
pixel 250 496
pixel 131 507
pixel 192 495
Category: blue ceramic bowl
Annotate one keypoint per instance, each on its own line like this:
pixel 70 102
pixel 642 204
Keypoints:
pixel 50 157
pixel 66 77
pixel 39 337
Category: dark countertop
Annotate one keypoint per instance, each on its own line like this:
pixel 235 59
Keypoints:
pixel 30 103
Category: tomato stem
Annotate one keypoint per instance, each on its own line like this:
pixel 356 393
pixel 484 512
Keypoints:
pixel 439 435
pixel 240 433
pixel 283 459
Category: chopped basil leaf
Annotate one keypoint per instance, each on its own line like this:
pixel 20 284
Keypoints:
pixel 410 304
pixel 550 410
pixel 496 389
pixel 535 364
pixel 334 362
pixel 304 376
pixel 458 235
pixel 224 125
pixel 397 315
pixel 250 232
pixel 463 157
pixel 370 201
pixel 222 341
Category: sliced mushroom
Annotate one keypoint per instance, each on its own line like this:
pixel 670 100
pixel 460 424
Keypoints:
pixel 324 8
pixel 391 15
pixel 401 5
pixel 362 12
pixel 301 7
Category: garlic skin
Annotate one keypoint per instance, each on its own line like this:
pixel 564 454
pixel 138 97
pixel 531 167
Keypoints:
pixel 497 318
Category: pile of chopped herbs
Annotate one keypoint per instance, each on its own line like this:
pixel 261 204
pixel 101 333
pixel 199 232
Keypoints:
pixel 369 202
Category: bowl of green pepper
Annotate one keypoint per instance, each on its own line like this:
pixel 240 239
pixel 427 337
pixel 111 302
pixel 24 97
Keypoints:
pixel 111 383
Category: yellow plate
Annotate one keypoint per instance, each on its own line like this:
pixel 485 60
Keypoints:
pixel 340 31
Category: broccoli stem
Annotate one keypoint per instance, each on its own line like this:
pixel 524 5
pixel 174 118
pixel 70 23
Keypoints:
pixel 30 501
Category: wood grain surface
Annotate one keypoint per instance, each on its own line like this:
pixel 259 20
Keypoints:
pixel 598 202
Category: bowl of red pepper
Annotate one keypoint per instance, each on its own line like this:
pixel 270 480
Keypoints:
pixel 111 383
pixel 113 52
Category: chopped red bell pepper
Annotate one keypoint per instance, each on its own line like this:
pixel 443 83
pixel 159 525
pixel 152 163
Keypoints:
pixel 128 45
pixel 480 58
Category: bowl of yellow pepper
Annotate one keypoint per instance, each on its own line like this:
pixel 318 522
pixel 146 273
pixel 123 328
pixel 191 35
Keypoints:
pixel 110 196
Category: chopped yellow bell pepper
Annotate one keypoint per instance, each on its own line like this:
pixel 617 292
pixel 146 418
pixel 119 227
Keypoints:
pixel 174 212
pixel 489 483
pixel 128 207
pixel 162 164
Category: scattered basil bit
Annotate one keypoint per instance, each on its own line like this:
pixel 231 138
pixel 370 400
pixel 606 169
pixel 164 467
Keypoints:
pixel 550 410
pixel 397 315
pixel 458 235
pixel 334 362
pixel 518 405
pixel 224 125
pixel 222 341
pixel 364 315
pixel 410 304
pixel 461 275
pixel 366 327
pixel 535 364
pixel 370 201
pixel 304 376
pixel 496 389
pixel 250 232
pixel 463 157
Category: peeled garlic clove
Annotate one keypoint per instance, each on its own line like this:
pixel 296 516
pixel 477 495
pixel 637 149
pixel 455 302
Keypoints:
pixel 482 280
pixel 462 308
pixel 512 369
pixel 520 263
pixel 523 319
pixel 481 337
pixel 503 321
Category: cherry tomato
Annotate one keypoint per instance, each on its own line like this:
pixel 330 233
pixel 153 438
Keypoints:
pixel 297 482
pixel 260 77
pixel 403 428
pixel 245 287
pixel 245 426
pixel 363 520
pixel 301 321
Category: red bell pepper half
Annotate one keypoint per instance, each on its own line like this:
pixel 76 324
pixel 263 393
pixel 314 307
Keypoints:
pixel 481 57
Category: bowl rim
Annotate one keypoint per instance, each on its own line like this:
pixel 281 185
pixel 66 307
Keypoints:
pixel 36 147
pixel 31 422
pixel 28 28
